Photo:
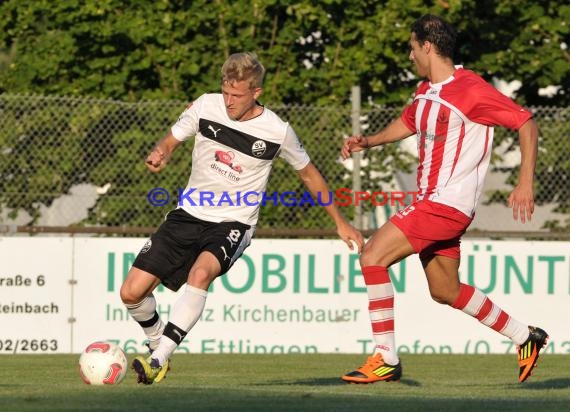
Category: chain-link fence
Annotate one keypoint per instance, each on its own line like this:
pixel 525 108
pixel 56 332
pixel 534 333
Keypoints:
pixel 78 162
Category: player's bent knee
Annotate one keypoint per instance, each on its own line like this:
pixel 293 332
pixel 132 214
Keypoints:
pixel 127 295
pixel 201 278
pixel 368 258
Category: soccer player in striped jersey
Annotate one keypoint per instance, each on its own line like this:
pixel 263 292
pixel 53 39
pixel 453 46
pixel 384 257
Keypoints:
pixel 236 142
pixel 452 115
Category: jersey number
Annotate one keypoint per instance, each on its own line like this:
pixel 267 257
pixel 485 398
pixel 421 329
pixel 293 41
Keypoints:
pixel 408 210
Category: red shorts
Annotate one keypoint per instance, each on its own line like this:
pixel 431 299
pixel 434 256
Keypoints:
pixel 432 228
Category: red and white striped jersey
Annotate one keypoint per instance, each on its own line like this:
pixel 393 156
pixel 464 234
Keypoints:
pixel 453 121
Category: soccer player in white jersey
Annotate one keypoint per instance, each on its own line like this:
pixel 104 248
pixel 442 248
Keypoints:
pixel 452 116
pixel 236 141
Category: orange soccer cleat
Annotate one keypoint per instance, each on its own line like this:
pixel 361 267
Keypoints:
pixel 374 370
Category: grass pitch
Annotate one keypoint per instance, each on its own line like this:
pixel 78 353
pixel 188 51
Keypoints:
pixel 290 383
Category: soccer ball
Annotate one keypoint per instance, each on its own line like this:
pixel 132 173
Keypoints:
pixel 102 363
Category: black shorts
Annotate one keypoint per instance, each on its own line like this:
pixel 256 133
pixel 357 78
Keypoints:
pixel 172 250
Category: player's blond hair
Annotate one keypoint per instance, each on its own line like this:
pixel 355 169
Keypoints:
pixel 243 67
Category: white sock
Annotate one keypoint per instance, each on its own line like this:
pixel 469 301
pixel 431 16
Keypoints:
pixel 381 310
pixel 186 312
pixel 146 315
pixel 517 331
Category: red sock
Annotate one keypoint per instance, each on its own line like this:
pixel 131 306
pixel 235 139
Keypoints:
pixel 475 303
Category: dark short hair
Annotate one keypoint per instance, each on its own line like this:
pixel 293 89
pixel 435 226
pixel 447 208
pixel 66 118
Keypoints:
pixel 437 31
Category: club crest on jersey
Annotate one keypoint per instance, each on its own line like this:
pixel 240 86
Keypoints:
pixel 442 117
pixel 258 148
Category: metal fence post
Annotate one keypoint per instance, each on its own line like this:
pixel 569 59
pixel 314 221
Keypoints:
pixel 356 157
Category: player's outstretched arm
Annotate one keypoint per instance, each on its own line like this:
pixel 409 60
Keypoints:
pixel 397 130
pixel 521 199
pixel 316 184
pixel 160 155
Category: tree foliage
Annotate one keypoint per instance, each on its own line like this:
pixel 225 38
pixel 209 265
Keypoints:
pixel 314 52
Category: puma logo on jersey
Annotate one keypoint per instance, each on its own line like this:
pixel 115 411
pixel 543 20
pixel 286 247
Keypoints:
pixel 214 131
pixel 225 253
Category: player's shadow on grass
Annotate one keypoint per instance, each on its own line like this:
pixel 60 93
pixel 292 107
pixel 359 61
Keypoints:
pixel 335 382
pixel 557 383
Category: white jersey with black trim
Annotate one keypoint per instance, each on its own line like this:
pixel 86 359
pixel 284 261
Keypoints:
pixel 232 160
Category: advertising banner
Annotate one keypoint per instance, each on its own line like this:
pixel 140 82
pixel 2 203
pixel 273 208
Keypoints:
pixel 36 283
pixel 287 296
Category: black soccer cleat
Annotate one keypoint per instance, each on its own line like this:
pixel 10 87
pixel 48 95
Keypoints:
pixel 527 353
